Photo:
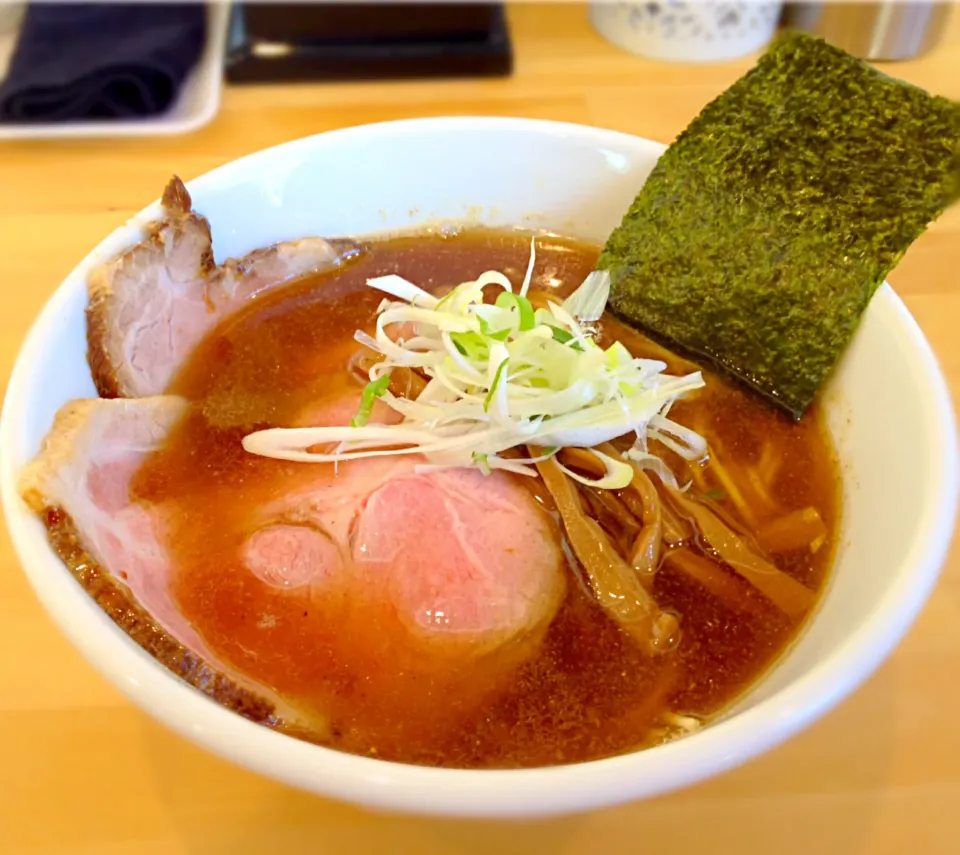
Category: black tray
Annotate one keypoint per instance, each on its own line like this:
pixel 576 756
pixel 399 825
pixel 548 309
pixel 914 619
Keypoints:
pixel 366 41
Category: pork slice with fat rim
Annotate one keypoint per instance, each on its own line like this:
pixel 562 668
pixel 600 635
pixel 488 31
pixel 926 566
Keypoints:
pixel 79 486
pixel 153 303
pixel 462 565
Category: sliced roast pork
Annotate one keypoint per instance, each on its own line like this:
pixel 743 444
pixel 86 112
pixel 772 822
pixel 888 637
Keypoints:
pixel 466 562
pixel 465 559
pixel 152 304
pixel 448 564
pixel 78 484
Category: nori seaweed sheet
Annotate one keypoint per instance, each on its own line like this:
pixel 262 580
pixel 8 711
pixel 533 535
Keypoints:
pixel 765 229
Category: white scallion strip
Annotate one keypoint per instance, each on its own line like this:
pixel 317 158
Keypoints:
pixel 403 290
pixel 528 277
pixel 588 302
pixel 685 442
pixel 617 476
pixel 501 375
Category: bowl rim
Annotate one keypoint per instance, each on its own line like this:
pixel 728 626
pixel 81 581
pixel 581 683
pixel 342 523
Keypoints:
pixel 411 789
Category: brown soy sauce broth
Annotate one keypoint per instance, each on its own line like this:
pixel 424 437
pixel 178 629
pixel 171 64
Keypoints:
pixel 587 691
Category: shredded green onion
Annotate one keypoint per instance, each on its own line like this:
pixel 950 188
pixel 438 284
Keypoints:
pixel 373 390
pixel 481 461
pixel 524 308
pixel 589 301
pixel 498 378
pixel 501 376
pixel 499 335
pixel 617 476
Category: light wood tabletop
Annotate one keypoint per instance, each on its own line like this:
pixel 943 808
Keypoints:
pixel 82 771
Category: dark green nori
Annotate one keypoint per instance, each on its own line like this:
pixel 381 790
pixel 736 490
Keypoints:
pixel 765 229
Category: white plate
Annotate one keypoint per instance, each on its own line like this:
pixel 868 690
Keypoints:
pixel 198 102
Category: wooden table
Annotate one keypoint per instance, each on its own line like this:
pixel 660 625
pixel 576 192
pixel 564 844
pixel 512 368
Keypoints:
pixel 82 771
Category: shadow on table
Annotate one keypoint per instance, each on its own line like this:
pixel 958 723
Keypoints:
pixel 816 794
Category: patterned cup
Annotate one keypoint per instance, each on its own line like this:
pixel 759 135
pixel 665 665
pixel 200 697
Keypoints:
pixel 687 32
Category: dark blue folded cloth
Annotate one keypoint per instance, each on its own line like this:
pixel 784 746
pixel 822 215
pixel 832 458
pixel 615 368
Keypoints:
pixel 101 60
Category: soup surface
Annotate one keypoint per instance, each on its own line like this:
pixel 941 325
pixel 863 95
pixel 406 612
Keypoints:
pixel 585 690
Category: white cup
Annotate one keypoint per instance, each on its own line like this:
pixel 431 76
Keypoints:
pixel 687 32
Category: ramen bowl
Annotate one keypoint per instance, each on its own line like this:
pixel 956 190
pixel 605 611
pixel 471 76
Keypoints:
pixel 898 507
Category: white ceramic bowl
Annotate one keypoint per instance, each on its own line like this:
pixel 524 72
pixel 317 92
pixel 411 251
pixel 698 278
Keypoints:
pixel 888 407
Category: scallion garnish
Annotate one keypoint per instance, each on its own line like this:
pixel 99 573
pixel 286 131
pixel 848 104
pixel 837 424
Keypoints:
pixel 373 390
pixel 501 376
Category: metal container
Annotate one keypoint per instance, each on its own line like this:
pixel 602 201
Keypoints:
pixel 874 31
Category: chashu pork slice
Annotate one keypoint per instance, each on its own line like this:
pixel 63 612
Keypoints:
pixel 465 563
pixel 79 486
pixel 151 305
pixel 450 578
